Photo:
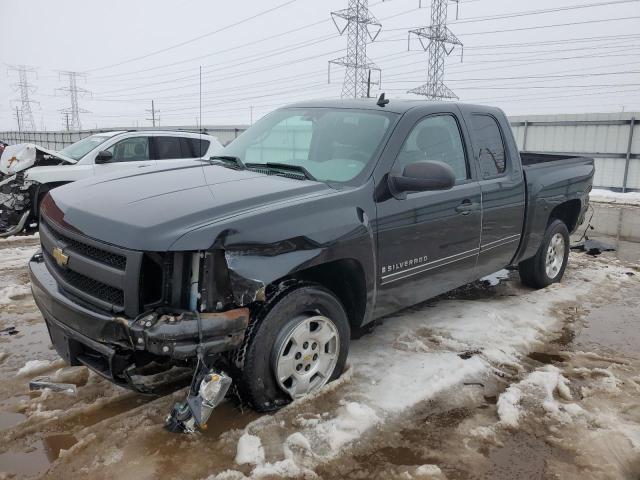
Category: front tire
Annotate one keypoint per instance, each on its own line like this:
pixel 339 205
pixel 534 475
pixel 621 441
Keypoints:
pixel 295 345
pixel 550 261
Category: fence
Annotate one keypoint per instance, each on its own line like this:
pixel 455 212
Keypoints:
pixel 613 140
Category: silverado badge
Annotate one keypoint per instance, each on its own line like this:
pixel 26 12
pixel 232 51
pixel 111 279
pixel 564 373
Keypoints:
pixel 60 257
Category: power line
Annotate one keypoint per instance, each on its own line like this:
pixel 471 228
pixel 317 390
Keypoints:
pixel 195 39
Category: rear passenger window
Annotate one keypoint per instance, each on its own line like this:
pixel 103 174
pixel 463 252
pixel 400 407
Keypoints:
pixel 490 149
pixel 193 147
pixel 435 138
pixel 167 148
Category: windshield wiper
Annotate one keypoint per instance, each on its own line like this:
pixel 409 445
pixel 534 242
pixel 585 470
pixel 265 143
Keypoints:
pixel 226 159
pixel 284 166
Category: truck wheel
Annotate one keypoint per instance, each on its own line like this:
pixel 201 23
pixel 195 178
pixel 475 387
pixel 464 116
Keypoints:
pixel 548 264
pixel 296 344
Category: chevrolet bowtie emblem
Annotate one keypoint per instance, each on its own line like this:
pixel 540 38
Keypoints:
pixel 60 257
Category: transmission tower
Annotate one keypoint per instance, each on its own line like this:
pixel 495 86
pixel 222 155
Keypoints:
pixel 362 28
pixel 438 41
pixel 23 86
pixel 72 114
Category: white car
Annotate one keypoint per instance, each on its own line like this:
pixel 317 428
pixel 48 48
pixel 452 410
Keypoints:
pixel 30 171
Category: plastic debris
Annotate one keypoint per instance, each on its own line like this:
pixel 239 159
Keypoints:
pixel 40 383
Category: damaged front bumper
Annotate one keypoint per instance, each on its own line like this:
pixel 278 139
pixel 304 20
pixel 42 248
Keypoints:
pixel 137 353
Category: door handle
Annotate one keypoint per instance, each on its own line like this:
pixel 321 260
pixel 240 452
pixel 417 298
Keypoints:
pixel 466 207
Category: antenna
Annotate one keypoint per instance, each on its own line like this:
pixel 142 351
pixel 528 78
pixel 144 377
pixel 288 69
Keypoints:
pixel 382 101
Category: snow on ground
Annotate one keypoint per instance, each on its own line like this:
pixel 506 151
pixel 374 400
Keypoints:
pixel 13 292
pixel 33 367
pixel 545 384
pixel 607 196
pixel 20 238
pixel 407 361
pixel 16 257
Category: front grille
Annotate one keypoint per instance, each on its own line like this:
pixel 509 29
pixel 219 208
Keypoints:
pixel 102 256
pixel 98 273
pixel 92 287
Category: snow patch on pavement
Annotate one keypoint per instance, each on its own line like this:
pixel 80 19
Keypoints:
pixel 249 450
pixel 543 385
pixel 13 292
pixel 17 257
pixel 607 196
pixel 33 367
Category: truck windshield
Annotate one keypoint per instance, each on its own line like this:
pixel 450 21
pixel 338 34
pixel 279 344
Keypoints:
pixel 81 148
pixel 332 145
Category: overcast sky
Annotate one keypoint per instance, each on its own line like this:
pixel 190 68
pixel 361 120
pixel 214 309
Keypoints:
pixel 539 65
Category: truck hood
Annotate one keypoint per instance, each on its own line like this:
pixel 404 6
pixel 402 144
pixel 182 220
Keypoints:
pixel 151 209
pixel 16 158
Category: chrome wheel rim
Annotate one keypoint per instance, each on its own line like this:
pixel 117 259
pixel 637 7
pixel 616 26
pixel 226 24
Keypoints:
pixel 555 256
pixel 306 355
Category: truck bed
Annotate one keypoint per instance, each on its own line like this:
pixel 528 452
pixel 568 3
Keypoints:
pixel 551 179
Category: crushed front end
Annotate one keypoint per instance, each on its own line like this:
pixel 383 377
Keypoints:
pixel 15 204
pixel 141 319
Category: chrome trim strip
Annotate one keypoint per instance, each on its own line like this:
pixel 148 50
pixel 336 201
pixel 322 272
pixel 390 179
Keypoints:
pixel 431 267
pixel 501 240
pixel 484 249
pixel 474 250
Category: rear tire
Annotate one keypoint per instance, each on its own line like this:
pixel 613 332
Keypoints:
pixel 300 336
pixel 548 264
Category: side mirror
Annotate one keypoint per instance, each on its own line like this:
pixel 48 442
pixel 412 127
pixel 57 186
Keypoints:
pixel 104 156
pixel 423 176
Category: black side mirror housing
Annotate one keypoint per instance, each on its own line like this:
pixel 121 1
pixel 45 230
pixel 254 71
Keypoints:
pixel 423 176
pixel 104 156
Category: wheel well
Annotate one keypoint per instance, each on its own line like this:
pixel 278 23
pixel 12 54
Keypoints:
pixel 345 278
pixel 568 212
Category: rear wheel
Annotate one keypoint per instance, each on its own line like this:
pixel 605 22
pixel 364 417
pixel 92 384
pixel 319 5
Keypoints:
pixel 550 261
pixel 295 345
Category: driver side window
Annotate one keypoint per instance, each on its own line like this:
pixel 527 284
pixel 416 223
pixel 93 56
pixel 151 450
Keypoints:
pixel 133 149
pixel 435 138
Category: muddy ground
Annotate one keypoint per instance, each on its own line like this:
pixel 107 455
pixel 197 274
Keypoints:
pixel 488 382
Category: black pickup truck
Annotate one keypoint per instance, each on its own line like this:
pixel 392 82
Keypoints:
pixel 320 218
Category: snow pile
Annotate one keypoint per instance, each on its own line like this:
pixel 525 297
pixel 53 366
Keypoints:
pixel 33 367
pixel 249 450
pixel 607 196
pixel 351 421
pixel 20 238
pixel 17 257
pixel 13 292
pixel 540 387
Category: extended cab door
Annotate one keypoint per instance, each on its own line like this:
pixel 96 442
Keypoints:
pixel 428 241
pixel 502 185
pixel 127 153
